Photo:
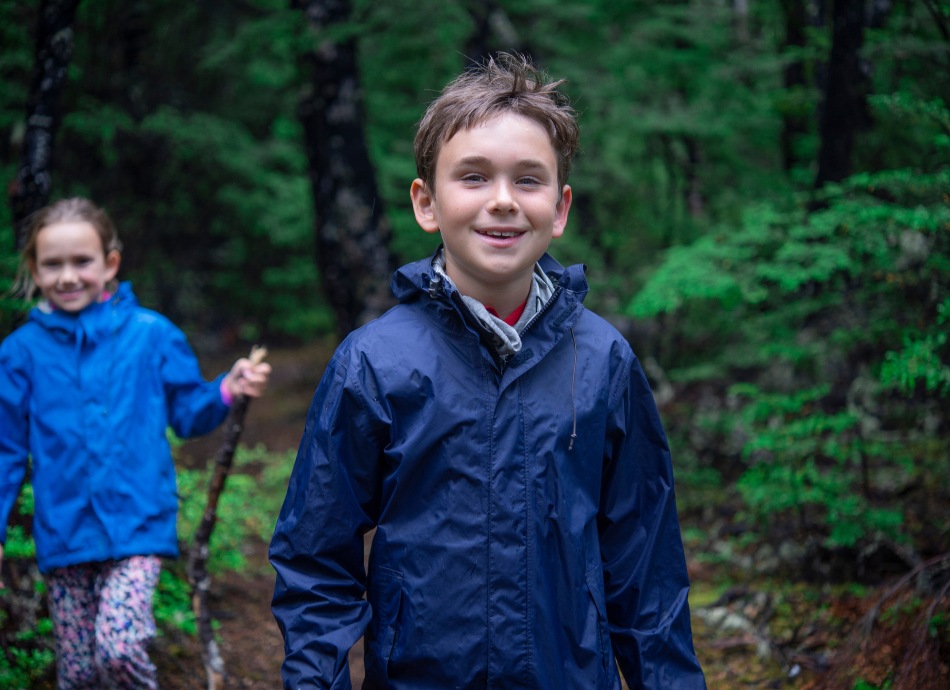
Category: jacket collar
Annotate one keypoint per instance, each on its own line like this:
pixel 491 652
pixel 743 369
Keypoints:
pixel 94 322
pixel 410 281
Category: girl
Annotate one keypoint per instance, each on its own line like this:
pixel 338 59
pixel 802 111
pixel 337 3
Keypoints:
pixel 88 387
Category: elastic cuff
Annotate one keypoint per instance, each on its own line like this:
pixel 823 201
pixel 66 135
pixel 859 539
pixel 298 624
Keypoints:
pixel 226 396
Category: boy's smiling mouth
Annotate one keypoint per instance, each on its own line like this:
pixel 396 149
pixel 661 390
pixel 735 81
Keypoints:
pixel 499 234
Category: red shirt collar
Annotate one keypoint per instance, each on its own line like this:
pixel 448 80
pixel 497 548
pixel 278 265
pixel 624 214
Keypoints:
pixel 513 317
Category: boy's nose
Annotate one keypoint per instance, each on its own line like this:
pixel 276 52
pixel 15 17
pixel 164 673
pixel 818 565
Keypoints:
pixel 503 200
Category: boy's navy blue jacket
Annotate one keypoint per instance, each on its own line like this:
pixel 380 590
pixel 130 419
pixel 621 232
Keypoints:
pixel 90 396
pixel 507 554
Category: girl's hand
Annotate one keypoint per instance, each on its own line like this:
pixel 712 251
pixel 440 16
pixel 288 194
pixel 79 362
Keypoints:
pixel 247 378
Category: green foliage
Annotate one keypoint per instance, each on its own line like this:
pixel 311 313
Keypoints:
pixel 862 684
pixel 172 603
pixel 24 664
pixel 28 655
pixel 16 61
pixel 19 543
pixel 247 508
pixel 822 316
pixel 803 461
pixel 919 361
pixel 12 307
pixel 938 627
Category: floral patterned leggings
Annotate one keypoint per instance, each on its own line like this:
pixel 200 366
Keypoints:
pixel 102 623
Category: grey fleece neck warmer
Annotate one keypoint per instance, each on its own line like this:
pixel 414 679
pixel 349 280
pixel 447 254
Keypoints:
pixel 507 339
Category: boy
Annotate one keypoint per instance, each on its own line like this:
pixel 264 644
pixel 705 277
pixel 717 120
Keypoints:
pixel 502 440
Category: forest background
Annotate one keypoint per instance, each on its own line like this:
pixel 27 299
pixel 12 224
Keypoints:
pixel 761 201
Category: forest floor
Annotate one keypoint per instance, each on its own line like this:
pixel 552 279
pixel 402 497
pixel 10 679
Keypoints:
pixel 751 630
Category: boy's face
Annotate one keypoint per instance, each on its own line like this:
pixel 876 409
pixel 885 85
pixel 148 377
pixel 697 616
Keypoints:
pixel 497 204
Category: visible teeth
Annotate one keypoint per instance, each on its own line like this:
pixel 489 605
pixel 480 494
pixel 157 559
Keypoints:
pixel 502 234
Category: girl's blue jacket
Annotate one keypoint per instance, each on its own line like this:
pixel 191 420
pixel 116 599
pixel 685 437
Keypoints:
pixel 89 397
pixel 507 552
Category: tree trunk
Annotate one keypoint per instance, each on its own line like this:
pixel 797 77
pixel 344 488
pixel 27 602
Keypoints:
pixel 31 188
pixel 352 233
pixel 939 16
pixel 794 122
pixel 844 110
pixel 740 13
pixel 494 31
pixel 695 199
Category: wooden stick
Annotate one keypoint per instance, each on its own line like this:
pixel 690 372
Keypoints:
pixel 198 575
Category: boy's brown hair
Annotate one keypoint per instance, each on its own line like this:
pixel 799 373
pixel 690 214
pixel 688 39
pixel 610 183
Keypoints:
pixel 504 84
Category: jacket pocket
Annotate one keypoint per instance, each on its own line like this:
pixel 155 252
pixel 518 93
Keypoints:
pixel 385 597
pixel 595 586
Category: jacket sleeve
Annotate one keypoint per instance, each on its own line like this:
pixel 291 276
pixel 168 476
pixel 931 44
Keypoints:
pixel 645 578
pixel 317 547
pixel 195 406
pixel 14 429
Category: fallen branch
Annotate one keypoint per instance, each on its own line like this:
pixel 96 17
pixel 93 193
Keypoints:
pixel 198 576
pixel 870 618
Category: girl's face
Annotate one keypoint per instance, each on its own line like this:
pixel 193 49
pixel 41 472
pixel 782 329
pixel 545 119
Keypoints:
pixel 71 268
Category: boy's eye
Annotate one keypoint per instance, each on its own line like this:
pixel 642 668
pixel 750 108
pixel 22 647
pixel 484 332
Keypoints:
pixel 529 181
pixel 473 177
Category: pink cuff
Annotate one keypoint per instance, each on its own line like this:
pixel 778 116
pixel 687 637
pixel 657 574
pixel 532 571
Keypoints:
pixel 226 396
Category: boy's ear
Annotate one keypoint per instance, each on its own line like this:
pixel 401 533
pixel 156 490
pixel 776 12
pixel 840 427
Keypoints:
pixel 423 205
pixel 561 210
pixel 113 259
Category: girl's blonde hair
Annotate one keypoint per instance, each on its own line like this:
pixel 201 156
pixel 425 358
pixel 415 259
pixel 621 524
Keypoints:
pixel 74 210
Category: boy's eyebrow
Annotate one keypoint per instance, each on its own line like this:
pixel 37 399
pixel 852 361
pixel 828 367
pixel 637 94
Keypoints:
pixel 530 163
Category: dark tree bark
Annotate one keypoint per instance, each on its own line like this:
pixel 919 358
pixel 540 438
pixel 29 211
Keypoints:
pixel 352 232
pixel 740 14
pixel 939 17
pixel 31 188
pixel 794 124
pixel 695 199
pixel 494 31
pixel 844 110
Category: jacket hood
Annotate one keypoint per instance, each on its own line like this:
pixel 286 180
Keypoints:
pixel 418 277
pixel 93 323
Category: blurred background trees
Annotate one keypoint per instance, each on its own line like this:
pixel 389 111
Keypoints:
pixel 761 200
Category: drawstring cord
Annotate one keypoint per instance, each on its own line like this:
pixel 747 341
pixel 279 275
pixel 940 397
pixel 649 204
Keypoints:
pixel 570 446
pixel 435 285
